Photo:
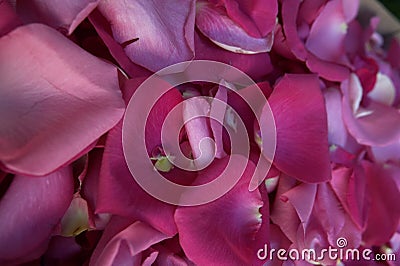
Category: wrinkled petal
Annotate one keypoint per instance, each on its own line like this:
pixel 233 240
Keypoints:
pixel 155 34
pixel 59 14
pixel 301 127
pixel 46 118
pixel 221 30
pixel 225 229
pixel 30 211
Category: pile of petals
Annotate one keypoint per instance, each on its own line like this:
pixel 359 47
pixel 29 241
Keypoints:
pixel 69 68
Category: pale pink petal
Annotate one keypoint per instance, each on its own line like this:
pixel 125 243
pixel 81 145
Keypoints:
pixel 31 209
pixel 163 30
pixel 214 23
pixel 384 91
pixel 59 14
pixel 301 126
pixel 52 110
pixel 216 127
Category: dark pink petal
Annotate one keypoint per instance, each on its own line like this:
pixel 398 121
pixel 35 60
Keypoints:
pixel 302 198
pixel 154 34
pixel 9 20
pixel 63 251
pixel 378 126
pixel 327 70
pixel 301 127
pixel 350 187
pixel 256 65
pixel 283 213
pixel 225 229
pixel 48 119
pixel 123 241
pixel 289 15
pixel 257 17
pixel 59 14
pixel 384 213
pixel 31 209
pixel 215 24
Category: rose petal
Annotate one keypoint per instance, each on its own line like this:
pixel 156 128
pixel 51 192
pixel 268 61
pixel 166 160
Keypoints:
pixel 9 20
pixel 48 119
pixel 123 241
pixel 164 30
pixel 31 210
pixel 59 14
pixel 301 127
pixel 224 32
pixel 225 229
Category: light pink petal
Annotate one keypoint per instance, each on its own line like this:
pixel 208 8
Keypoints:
pixel 123 241
pixel 214 23
pixel 387 153
pixel 384 91
pixel 384 213
pixel 31 209
pixel 60 14
pixel 46 118
pixel 301 127
pixel 164 30
pixel 378 127
pixel 257 17
pixel 256 65
pixel 327 34
pixel 197 129
pixel 225 229
pixel 337 132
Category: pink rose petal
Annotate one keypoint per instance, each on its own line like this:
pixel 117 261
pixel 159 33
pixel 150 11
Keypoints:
pixel 31 209
pixel 52 110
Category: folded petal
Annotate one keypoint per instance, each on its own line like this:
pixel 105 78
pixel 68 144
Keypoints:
pixel 155 34
pixel 301 127
pixel 214 23
pixel 225 229
pixel 31 209
pixel 59 14
pixel 56 100
pixel 379 126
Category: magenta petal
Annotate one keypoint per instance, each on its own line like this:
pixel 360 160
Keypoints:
pixel 327 70
pixel 9 20
pixel 216 25
pixel 123 241
pixel 59 14
pixel 301 126
pixel 31 209
pixel 225 229
pixel 50 119
pixel 384 213
pixel 164 30
pixel 216 127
